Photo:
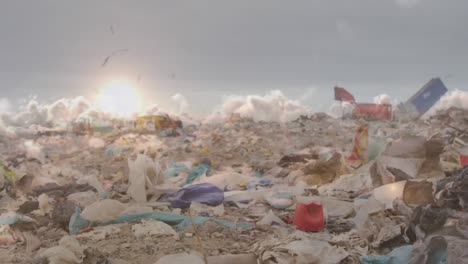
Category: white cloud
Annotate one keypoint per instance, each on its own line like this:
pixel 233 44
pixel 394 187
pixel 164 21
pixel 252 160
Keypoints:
pixel 34 115
pixel 5 105
pixel 382 99
pixel 455 98
pixel 273 106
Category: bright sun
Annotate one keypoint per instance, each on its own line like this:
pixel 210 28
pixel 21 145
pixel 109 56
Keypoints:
pixel 119 97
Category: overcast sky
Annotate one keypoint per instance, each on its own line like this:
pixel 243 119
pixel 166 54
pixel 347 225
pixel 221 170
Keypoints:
pixel 207 49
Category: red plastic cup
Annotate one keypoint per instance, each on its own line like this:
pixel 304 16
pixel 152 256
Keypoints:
pixel 309 217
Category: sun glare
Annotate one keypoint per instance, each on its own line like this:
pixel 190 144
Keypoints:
pixel 119 97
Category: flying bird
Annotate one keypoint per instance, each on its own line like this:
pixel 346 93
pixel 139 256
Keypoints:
pixel 114 53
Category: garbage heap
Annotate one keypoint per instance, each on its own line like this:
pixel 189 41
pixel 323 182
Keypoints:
pixel 315 190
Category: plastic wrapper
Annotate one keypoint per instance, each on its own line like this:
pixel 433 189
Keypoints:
pixel 204 193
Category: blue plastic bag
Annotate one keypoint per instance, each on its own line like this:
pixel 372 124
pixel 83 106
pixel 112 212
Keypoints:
pixel 261 182
pixel 400 255
pixel 205 193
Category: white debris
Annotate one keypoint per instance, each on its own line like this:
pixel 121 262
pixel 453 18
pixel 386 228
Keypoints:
pixel 153 228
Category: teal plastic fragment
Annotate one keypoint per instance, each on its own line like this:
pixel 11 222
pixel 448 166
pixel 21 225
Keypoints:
pixel 196 173
pixel 10 219
pixel 78 223
pixel 175 169
pixel 400 255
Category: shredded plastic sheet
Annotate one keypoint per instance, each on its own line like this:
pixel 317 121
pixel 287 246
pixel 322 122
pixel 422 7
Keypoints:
pixel 12 218
pixel 397 256
pixel 299 250
pixel 78 223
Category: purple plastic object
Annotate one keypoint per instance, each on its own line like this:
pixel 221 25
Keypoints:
pixel 205 193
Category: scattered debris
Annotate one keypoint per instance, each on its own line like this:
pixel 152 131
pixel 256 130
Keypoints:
pixel 314 190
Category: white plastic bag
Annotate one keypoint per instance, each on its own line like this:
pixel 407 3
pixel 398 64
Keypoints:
pixel 103 211
pixel 60 255
pixel 83 199
pixel 69 251
pixel 142 171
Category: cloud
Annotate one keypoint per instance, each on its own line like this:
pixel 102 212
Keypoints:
pixel 4 130
pixel 407 3
pixel 382 99
pixel 455 98
pixel 5 105
pixel 33 115
pixel 66 110
pixel 273 106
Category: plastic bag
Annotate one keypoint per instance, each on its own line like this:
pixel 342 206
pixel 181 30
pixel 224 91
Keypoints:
pixel 280 200
pixel 376 146
pixel 175 169
pixel 204 193
pixel 103 211
pixel 309 217
pixel 141 171
pixel 271 219
pixel 92 180
pixel 397 256
pixel 69 251
pixel 83 199
pixel 196 173
pixel 12 217
pixel 386 194
pixel 78 223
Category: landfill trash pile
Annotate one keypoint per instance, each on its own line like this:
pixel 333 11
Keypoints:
pixel 314 190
